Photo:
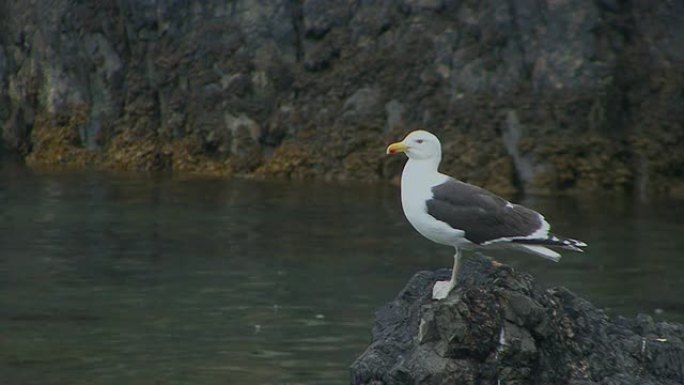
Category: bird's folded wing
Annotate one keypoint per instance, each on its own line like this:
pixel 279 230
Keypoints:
pixel 484 217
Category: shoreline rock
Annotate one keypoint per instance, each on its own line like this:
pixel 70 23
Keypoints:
pixel 500 327
pixel 531 96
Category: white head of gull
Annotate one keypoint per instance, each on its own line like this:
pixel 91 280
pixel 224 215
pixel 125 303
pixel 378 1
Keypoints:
pixel 450 212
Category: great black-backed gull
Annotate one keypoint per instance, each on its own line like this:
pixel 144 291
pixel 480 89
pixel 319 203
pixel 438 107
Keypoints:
pixel 450 212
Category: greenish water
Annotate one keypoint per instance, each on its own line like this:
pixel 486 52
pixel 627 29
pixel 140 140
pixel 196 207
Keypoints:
pixel 125 280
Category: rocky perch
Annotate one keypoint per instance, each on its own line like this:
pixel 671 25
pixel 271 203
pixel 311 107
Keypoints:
pixel 500 327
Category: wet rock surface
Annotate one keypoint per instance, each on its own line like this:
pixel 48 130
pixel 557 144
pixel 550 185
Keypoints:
pixel 534 95
pixel 499 327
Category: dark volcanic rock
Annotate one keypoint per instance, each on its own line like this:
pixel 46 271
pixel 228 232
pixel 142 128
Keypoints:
pixel 500 327
pixel 546 95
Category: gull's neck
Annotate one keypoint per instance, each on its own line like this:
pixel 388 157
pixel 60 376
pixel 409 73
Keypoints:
pixel 419 170
pixel 422 165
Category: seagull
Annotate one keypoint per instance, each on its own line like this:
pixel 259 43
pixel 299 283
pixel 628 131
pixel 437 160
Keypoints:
pixel 454 213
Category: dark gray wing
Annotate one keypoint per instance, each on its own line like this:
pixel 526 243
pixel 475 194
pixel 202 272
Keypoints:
pixel 483 216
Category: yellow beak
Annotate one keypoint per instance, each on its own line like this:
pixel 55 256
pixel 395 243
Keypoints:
pixel 396 147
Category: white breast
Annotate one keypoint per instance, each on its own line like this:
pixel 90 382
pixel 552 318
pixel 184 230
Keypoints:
pixel 416 189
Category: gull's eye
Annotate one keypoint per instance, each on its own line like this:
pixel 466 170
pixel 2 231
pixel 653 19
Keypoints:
pixel 419 141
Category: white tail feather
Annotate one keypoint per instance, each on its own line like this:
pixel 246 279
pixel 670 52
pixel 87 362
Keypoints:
pixel 542 251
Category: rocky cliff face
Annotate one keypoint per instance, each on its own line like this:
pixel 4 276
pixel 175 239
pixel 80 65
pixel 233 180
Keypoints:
pixel 542 95
pixel 500 327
